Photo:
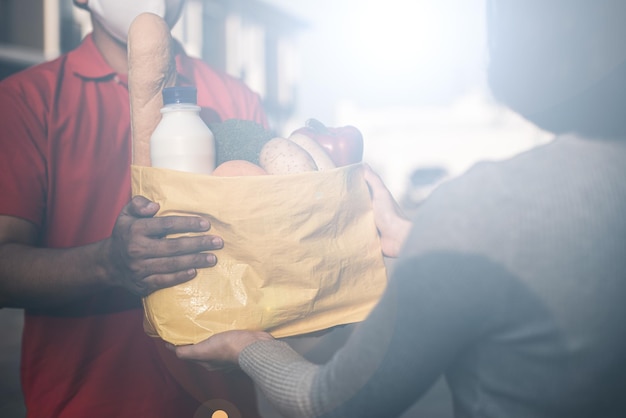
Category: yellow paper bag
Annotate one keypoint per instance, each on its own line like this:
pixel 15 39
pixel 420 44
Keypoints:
pixel 301 253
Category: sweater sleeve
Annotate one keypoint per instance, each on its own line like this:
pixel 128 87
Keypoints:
pixel 282 374
pixel 434 306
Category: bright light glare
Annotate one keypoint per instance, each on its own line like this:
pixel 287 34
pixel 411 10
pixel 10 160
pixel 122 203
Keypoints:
pixel 430 46
pixel 396 33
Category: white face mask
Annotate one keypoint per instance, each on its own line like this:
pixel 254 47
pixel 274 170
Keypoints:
pixel 117 15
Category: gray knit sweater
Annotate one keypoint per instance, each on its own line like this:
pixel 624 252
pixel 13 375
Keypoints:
pixel 512 284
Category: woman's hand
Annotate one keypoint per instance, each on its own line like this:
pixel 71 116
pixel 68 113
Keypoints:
pixel 220 350
pixel 393 226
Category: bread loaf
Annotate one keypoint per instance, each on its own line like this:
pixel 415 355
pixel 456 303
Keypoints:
pixel 319 154
pixel 151 67
pixel 282 156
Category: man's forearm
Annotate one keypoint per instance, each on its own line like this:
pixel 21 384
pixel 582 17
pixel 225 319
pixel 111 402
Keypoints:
pixel 135 257
pixel 32 277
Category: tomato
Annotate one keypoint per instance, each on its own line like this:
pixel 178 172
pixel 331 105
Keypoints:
pixel 344 144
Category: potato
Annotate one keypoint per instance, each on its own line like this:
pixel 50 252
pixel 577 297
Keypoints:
pixel 151 67
pixel 282 156
pixel 319 154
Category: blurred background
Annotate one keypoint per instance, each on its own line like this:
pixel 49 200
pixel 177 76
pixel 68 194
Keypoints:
pixel 410 74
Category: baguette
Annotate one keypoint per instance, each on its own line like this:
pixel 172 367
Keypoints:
pixel 151 67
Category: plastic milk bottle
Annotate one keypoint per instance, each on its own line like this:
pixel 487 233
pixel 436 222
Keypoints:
pixel 182 141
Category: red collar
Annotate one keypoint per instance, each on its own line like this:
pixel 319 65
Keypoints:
pixel 86 61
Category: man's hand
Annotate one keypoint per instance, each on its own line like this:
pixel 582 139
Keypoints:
pixel 141 258
pixel 393 226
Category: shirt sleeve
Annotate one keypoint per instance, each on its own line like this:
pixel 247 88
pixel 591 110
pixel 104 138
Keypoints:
pixel 23 179
pixel 435 305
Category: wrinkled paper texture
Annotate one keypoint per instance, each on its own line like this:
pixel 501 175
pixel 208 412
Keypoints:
pixel 301 253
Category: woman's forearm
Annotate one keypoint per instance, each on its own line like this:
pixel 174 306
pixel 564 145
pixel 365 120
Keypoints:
pixel 282 374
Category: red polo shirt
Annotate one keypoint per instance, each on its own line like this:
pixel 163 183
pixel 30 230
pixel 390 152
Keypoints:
pixel 64 165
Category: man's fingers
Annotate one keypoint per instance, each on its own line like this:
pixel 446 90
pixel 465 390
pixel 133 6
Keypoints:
pixel 170 265
pixel 141 207
pixel 168 225
pixel 155 282
pixel 159 273
pixel 175 247
pixel 188 245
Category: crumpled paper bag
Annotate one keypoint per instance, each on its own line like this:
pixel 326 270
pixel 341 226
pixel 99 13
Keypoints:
pixel 301 253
